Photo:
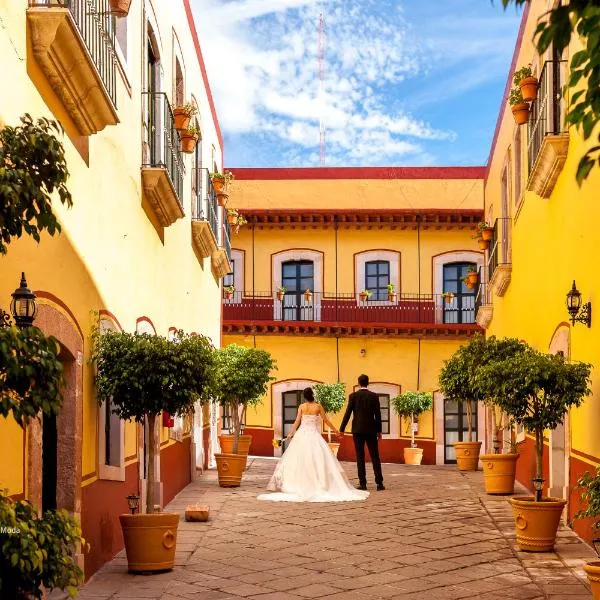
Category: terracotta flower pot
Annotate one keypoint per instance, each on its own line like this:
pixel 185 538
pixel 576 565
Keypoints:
pixel 499 472
pixel 529 86
pixel 230 468
pixel 227 295
pixel 188 142
pixel 307 296
pixel 592 570
pixel 483 244
pixel 520 113
pixel 448 299
pixel 280 296
pixel 467 455
pixel 472 278
pixel 391 297
pixel 244 443
pixel 219 185
pixel 182 119
pixel 536 523
pixel 413 456
pixel 232 219
pixel 120 8
pixel 363 297
pixel 487 234
pixel 335 446
pixel 222 199
pixel 150 540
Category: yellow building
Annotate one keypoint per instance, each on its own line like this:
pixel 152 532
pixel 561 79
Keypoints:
pixel 144 245
pixel 544 239
pixel 337 232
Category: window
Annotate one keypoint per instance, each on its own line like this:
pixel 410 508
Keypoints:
pixel 297 276
pixel 384 404
pixel 229 279
pixel 112 436
pixel 291 401
pixel 517 157
pixel 377 278
pixel 462 307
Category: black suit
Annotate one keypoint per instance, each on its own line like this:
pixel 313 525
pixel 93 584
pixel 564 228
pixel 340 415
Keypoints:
pixel 366 425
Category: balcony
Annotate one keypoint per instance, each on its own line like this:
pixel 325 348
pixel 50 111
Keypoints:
pixel 162 168
pixel 484 309
pixel 499 266
pixel 221 259
pixel 548 138
pixel 73 43
pixel 336 314
pixel 205 220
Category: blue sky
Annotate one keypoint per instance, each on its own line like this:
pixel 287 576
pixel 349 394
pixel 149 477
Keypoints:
pixel 407 82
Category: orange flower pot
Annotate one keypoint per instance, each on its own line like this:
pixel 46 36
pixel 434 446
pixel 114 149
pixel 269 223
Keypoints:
pixel 536 523
pixel 120 8
pixel 182 119
pixel 227 295
pixel 529 87
pixel 150 541
pixel 467 455
pixel 499 472
pixel 230 468
pixel 280 296
pixel 244 443
pixel 520 113
pixel 487 234
pixel 335 446
pixel 219 185
pixel 413 456
pixel 188 142
pixel 472 278
pixel 363 297
pixel 232 219
pixel 392 297
pixel 592 570
pixel 222 199
pixel 483 244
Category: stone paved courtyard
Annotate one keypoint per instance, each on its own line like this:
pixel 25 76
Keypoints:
pixel 431 535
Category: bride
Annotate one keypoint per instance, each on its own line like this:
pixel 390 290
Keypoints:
pixel 308 471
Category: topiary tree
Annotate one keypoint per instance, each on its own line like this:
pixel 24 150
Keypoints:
pixel 331 396
pixel 239 379
pixel 143 375
pixel 411 405
pixel 537 390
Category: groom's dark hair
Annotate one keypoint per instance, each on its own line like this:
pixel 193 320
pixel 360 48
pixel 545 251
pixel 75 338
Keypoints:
pixel 363 380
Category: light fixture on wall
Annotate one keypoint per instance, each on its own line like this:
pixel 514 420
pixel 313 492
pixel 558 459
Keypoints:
pixel 579 313
pixel 22 307
pixel 133 502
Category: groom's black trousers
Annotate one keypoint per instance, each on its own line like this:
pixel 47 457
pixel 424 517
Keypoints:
pixel 370 439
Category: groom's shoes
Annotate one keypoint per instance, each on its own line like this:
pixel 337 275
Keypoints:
pixel 361 487
pixel 380 487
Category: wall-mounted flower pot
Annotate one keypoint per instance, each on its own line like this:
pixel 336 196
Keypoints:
pixel 536 523
pixel 150 541
pixel 188 142
pixel 520 113
pixel 280 296
pixel 363 297
pixel 219 185
pixel 335 446
pixel 467 455
pixel 227 295
pixel 472 278
pixel 232 219
pixel 226 443
pixel 230 468
pixel 529 87
pixel 222 199
pixel 448 299
pixel 413 456
pixel 182 119
pixel 308 295
pixel 499 472
pixel 592 570
pixel 487 233
pixel 483 244
pixel 120 8
pixel 391 296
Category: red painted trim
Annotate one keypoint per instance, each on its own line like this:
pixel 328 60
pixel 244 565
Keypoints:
pixel 213 111
pixel 57 300
pixel 355 325
pixel 507 87
pixel 270 174
pixel 147 320
pixel 474 212
pixel 106 313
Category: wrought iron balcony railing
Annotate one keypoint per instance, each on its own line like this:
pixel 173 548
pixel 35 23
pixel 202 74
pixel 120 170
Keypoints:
pixel 499 253
pixel 163 139
pixel 483 296
pixel 547 110
pixel 349 308
pixel 204 199
pixel 226 242
pixel 96 27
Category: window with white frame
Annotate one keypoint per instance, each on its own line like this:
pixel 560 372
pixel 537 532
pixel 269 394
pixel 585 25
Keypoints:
pixel 375 270
pixel 377 279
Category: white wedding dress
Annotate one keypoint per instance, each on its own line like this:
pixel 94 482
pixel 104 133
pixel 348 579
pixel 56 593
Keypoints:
pixel 309 472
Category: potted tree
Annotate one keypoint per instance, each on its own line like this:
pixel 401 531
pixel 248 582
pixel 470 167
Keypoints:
pixel 281 293
pixel 144 375
pixel 411 405
pixel 527 83
pixel 183 115
pixel 589 486
pixel 189 139
pixel 391 289
pixel 518 106
pixel 238 380
pixel 331 396
pixel 537 390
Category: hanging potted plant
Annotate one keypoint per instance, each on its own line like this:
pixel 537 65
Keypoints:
pixel 483 244
pixel 228 291
pixel 189 139
pixel 281 293
pixel 308 295
pixel 119 8
pixel 331 396
pixel 239 380
pixel 391 289
pixel 448 297
pixel 183 115
pixel 222 181
pixel 144 375
pixel 365 295
pixel 537 390
pixel 518 106
pixel 235 219
pixel 470 280
pixel 527 83
pixel 486 232
pixel 589 486
pixel 411 405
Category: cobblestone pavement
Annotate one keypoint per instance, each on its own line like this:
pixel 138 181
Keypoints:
pixel 432 535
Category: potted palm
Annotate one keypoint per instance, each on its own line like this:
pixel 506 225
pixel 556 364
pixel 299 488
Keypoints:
pixel 527 83
pixel 331 396
pixel 391 289
pixel 518 106
pixel 189 139
pixel 537 390
pixel 183 115
pixel 239 380
pixel 281 293
pixel 143 375
pixel 411 405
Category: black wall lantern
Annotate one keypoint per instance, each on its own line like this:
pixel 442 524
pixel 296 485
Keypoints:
pixel 22 307
pixel 579 313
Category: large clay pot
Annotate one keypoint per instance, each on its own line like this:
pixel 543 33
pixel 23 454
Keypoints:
pixel 536 523
pixel 467 455
pixel 182 119
pixel 150 540
pixel 226 443
pixel 520 113
pixel 230 468
pixel 413 456
pixel 592 570
pixel 334 447
pixel 499 472
pixel 120 8
pixel 529 86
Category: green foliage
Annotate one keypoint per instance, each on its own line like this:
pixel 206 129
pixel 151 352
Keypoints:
pixel 521 74
pixel 579 20
pixel 30 374
pixel 189 108
pixel 227 177
pixel 515 97
pixel 331 396
pixel 32 169
pixel 36 552
pixel 412 404
pixel 590 496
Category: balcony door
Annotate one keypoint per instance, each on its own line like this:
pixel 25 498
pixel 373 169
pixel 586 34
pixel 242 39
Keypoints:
pixel 462 307
pixel 154 106
pixel 291 401
pixel 296 277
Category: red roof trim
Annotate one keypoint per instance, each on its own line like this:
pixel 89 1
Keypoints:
pixel 363 211
pixel 265 174
pixel 512 69
pixel 192 24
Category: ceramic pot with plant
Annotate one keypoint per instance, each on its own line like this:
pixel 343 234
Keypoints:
pixel 331 396
pixel 119 8
pixel 143 375
pixel 281 293
pixel 483 244
pixel 183 115
pixel 527 83
pixel 222 181
pixel 518 106
pixel 537 391
pixel 228 292
pixel 189 139
pixel 308 295
pixel 470 280
pixel 448 297
pixel 411 405
pixel 391 290
pixel 486 232
pixel 365 295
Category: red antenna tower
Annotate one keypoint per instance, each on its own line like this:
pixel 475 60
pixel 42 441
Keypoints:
pixel 321 55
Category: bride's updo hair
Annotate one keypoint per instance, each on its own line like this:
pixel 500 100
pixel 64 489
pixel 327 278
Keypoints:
pixel 308 395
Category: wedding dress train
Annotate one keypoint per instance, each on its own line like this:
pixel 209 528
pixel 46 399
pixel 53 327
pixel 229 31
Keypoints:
pixel 309 472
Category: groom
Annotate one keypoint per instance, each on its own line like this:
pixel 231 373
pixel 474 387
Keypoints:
pixel 366 429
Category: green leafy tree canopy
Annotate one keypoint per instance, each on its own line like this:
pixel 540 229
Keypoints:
pixel 331 396
pixel 412 404
pixel 589 487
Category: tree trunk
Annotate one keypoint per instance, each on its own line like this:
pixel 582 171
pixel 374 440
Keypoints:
pixel 235 417
pixel 469 419
pixel 151 454
pixel 494 430
pixel 539 453
pixel 412 431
